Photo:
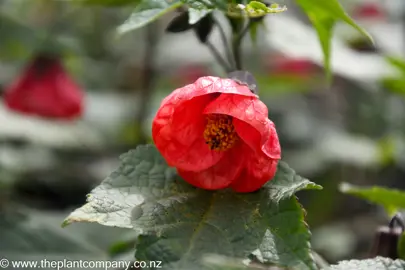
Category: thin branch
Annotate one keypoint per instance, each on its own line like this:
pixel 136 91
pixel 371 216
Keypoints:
pixel 225 42
pixel 148 76
pixel 236 45
pixel 218 56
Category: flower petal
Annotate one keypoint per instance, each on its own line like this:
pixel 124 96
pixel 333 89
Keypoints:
pixel 254 113
pixel 179 135
pixel 178 126
pixel 258 169
pixel 205 86
pixel 218 176
pixel 45 89
pixel 268 143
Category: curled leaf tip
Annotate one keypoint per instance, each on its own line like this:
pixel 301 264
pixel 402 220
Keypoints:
pixel 65 223
pixel 254 9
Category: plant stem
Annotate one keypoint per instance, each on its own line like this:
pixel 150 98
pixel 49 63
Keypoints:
pixel 149 76
pixel 236 46
pixel 225 43
pixel 218 56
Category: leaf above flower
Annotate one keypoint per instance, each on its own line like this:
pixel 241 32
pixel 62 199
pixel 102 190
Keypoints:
pixel 146 12
pixel 253 9
pixel 324 15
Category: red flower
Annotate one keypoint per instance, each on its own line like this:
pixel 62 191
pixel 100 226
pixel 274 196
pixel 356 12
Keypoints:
pixel 217 134
pixel 45 89
pixel 369 11
pixel 283 65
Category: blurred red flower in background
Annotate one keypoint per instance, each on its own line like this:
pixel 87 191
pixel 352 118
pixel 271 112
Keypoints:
pixel 217 134
pixel 369 11
pixel 45 89
pixel 284 65
pixel 190 73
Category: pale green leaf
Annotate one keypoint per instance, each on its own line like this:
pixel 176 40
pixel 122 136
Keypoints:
pixel 206 4
pixel 324 27
pixel 378 263
pixel 391 199
pixel 195 15
pixel 148 11
pixel 399 63
pixel 141 183
pixel 396 84
pixel 333 9
pixel 253 9
pixel 324 15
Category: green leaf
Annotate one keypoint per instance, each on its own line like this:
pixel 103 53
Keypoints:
pixel 206 4
pixel 378 263
pixel 324 15
pixel 334 10
pixel 144 179
pixel 195 15
pixel 288 235
pixel 148 11
pixel 185 222
pixel 286 182
pixel 399 63
pixel 234 225
pixel 396 84
pixel 254 9
pixel 324 27
pixel 391 199
pixel 141 183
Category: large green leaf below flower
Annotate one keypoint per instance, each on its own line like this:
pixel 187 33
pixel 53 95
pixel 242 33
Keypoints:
pixel 147 11
pixel 146 195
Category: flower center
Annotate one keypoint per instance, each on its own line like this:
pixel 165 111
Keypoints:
pixel 219 133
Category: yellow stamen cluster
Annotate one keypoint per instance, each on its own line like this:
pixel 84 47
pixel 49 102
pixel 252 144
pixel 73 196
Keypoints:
pixel 219 133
